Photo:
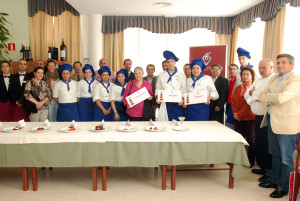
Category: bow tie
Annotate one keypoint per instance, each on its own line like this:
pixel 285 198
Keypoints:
pixel 22 75
pixel 6 76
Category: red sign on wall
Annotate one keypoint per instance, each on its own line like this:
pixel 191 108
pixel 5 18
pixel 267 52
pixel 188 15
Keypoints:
pixel 216 54
pixel 11 47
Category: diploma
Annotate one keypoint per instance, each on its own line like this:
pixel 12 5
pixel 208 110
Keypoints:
pixel 195 97
pixel 137 97
pixel 173 96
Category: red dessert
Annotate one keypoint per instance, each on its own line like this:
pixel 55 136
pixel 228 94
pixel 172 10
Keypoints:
pixel 72 129
pixel 99 128
pixel 17 128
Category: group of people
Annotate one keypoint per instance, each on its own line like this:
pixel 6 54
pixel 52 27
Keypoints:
pixel 79 93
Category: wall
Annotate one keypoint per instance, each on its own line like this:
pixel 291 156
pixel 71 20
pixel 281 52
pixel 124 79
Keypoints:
pixel 19 28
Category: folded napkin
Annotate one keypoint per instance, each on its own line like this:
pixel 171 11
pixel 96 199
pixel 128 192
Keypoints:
pixel 47 123
pixel 74 124
pixel 102 123
pixel 21 123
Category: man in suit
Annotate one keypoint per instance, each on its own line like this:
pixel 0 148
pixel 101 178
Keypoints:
pixel 127 65
pixel 216 107
pixel 22 76
pixel 152 79
pixel 282 97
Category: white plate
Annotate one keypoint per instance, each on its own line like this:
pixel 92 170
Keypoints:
pixel 106 128
pixel 160 128
pixel 10 130
pixel 180 128
pixel 123 127
pixel 47 128
pixel 66 130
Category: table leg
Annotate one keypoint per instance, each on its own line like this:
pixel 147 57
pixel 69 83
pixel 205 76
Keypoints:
pixel 94 175
pixel 164 177
pixel 231 180
pixel 173 177
pixel 34 179
pixel 25 178
pixel 103 178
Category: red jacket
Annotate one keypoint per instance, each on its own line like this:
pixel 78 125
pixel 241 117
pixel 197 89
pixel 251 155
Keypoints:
pixel 240 106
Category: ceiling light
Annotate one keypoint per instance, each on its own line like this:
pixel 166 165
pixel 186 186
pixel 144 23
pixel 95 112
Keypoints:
pixel 162 4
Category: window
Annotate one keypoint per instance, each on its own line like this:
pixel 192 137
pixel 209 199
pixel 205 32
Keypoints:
pixel 291 35
pixel 144 47
pixel 251 39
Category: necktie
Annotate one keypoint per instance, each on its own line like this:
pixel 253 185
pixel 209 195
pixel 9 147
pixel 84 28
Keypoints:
pixel 171 75
pixel 67 83
pixel 195 80
pixel 89 83
pixel 105 86
pixel 78 78
pixel 22 75
pixel 123 87
pixel 6 76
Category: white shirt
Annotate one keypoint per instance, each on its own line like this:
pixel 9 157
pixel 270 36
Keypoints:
pixel 21 78
pixel 214 79
pixel 205 83
pixel 178 82
pixel 100 92
pixel 61 92
pixel 83 89
pixel 256 107
pixel 6 81
pixel 116 93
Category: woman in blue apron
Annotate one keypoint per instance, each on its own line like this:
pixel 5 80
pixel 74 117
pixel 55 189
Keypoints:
pixel 171 79
pixel 85 89
pixel 101 96
pixel 117 94
pixel 200 82
pixel 64 93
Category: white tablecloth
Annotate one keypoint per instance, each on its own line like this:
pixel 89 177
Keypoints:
pixel 208 131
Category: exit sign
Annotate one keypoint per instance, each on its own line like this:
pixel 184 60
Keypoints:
pixel 11 47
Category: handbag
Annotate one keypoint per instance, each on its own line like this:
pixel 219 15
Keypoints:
pixel 122 107
pixel 148 111
pixel 30 106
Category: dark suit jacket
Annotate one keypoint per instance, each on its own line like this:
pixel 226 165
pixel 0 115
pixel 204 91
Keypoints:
pixel 131 76
pixel 222 87
pixel 153 83
pixel 20 88
pixel 8 94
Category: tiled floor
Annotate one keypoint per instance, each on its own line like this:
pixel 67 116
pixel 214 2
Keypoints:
pixel 130 184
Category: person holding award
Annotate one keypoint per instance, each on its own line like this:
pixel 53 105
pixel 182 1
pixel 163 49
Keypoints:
pixel 200 82
pixel 136 113
pixel 171 79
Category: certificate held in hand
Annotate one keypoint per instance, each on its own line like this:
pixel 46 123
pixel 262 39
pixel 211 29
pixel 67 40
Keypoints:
pixel 169 96
pixel 195 97
pixel 137 97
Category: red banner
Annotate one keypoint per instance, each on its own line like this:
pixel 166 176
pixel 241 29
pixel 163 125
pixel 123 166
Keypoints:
pixel 216 54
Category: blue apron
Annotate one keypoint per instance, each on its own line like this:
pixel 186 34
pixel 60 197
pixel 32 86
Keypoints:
pixel 86 109
pixel 98 114
pixel 174 111
pixel 67 112
pixel 123 116
pixel 197 112
pixel 230 118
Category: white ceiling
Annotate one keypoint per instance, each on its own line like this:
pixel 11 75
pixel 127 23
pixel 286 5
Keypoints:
pixel 223 8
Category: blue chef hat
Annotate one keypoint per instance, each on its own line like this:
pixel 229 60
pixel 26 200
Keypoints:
pixel 243 52
pixel 67 67
pixel 89 67
pixel 200 62
pixel 124 72
pixel 104 69
pixel 170 55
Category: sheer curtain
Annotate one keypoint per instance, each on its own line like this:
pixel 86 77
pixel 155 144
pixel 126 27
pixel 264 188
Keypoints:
pixel 291 37
pixel 144 47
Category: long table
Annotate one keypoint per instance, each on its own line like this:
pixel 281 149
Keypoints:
pixel 204 143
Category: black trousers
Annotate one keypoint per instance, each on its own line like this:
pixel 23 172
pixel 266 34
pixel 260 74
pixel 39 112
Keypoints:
pixel 263 158
pixel 247 130
pixel 135 118
pixel 216 116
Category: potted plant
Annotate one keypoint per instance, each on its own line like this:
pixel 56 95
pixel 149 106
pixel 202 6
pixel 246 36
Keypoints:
pixel 4 36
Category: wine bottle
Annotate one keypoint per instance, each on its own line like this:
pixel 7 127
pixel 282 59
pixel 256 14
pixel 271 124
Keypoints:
pixel 29 54
pixel 26 53
pixel 22 52
pixel 49 53
pixel 63 51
